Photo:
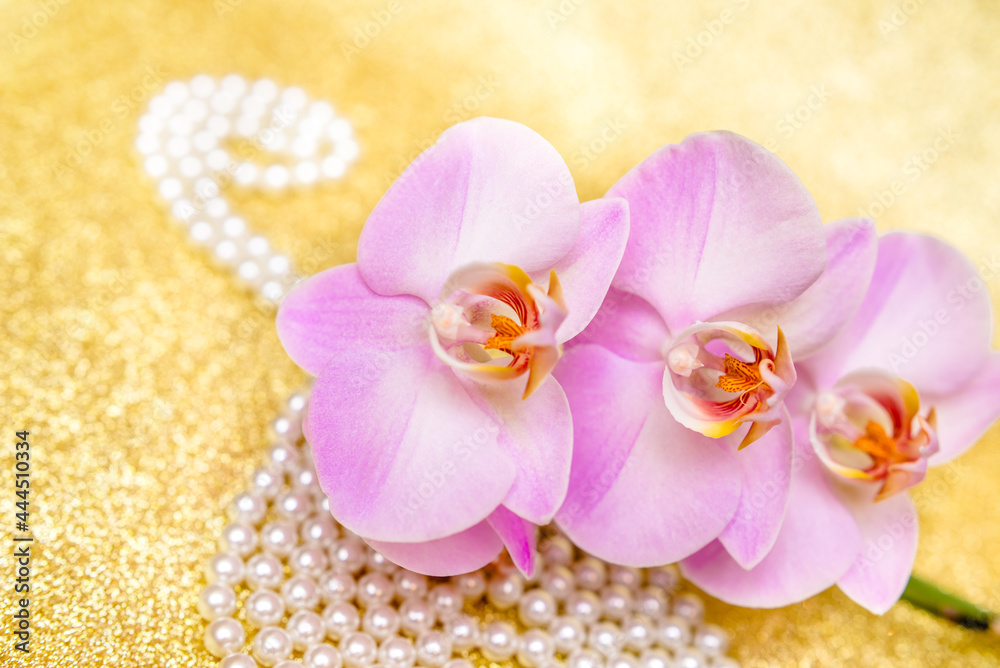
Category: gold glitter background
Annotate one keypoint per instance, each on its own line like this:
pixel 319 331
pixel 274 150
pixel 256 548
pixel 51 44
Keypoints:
pixel 148 379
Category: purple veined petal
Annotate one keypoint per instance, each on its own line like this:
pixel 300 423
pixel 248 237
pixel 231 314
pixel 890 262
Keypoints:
pixel 818 542
pixel 717 222
pixel 586 271
pixel 489 190
pixel 643 490
pixel 536 434
pixel 518 536
pixel 402 451
pixel 879 575
pixel 627 325
pixel 767 477
pixel 814 318
pixel 926 318
pixel 335 311
pixel 963 416
pixel 463 552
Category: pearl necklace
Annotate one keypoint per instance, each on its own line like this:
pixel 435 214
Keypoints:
pixel 318 592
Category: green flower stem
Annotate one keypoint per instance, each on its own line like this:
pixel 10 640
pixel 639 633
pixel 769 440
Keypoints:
pixel 924 595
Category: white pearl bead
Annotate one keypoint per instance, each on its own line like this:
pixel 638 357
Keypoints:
pixel 171 188
pixel 304 480
pixel 504 590
pixel 589 573
pixel 276 176
pixel 283 456
pixel 233 84
pixel 156 166
pixel 237 661
pixel 151 124
pixel 288 664
pixel 380 622
pixel 225 568
pixel 585 658
pixel 340 130
pixel 464 631
pixel 690 607
pixel 568 633
pixel 239 538
pixel 333 167
pixel 459 663
pixel 535 648
pixel 616 602
pixel 300 592
pixel 202 232
pixel 161 106
pixel 655 658
pixel 147 144
pixel 347 150
pixel 176 92
pixel 673 632
pixel 690 658
pixel 306 629
pixel 499 641
pixel 267 481
pixel 264 608
pixel 224 636
pixel 624 660
pixel 626 576
pixel 323 655
pixel 228 252
pixel 375 589
pixel 294 98
pixel 653 602
pixel 409 583
pixel 337 587
pixel 308 560
pixel 297 402
pixel 271 645
pixel 202 85
pixel 446 600
pixel 378 562
pixel 667 577
pixel 537 608
pixel 557 551
pixel 246 174
pixel 341 620
pixel 640 632
pixel 294 505
pixel 607 638
pixel 265 89
pixel 249 508
pixel 204 141
pixel 397 652
pixel 470 585
pixel 195 110
pixel 348 554
pixel 433 648
pixel 218 125
pixel 217 160
pixel 217 600
pixel 584 605
pixel 278 538
pixel 416 616
pixel 558 581
pixel 712 640
pixel 359 650
pixel 264 570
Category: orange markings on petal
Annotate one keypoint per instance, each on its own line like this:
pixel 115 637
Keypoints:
pixel 741 376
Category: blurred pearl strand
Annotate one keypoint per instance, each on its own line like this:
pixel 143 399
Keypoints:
pixel 185 140
pixel 320 593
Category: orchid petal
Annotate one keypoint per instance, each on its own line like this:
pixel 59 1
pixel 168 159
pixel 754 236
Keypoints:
pixel 817 543
pixel 402 450
pixel 335 311
pixel 813 319
pixel 717 222
pixel 463 552
pixel 963 416
pixel 643 489
pixel 889 535
pixel 587 270
pixel 922 319
pixel 628 326
pixel 518 536
pixel 767 477
pixel 489 190
pixel 537 436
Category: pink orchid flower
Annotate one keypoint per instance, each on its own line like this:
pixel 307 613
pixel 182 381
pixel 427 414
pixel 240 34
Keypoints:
pixel 438 436
pixel 910 382
pixel 728 279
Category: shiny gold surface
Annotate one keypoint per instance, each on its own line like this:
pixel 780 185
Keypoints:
pixel 148 379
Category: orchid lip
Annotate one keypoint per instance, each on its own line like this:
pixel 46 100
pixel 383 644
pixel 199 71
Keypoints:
pixel 721 374
pixel 870 429
pixel 493 324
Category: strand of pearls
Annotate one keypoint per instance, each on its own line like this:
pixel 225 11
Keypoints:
pixel 188 138
pixel 320 597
